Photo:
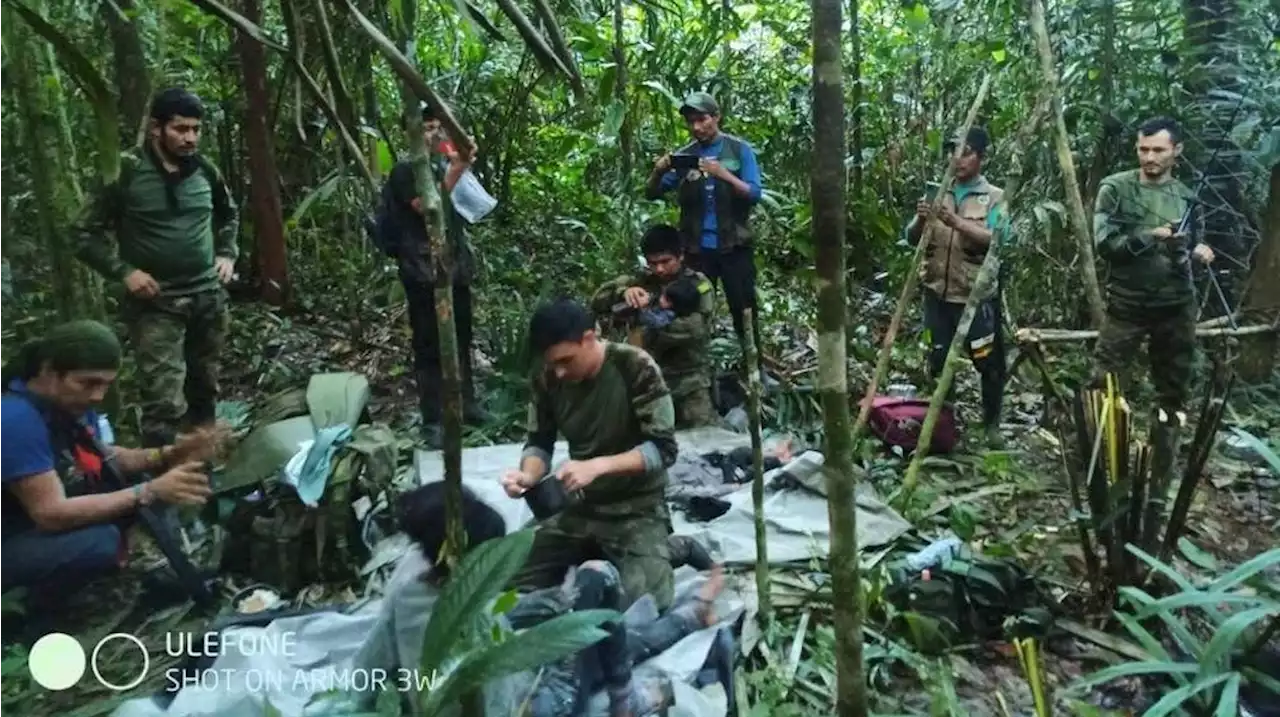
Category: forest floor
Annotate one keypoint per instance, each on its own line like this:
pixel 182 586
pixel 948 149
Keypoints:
pixel 1014 502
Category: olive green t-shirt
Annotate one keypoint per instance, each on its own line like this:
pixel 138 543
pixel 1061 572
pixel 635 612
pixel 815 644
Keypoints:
pixel 626 406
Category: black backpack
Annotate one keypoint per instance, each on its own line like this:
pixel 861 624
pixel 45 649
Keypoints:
pixel 384 227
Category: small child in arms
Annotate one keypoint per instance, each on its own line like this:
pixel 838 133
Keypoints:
pixel 679 299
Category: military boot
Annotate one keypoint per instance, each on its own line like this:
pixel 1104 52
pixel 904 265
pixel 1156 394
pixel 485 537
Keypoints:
pixel 429 406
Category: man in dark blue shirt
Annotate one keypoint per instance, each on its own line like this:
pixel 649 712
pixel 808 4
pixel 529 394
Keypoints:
pixel 62 524
pixel 716 198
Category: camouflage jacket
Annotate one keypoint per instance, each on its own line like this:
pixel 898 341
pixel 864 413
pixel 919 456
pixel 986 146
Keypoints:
pixel 1144 271
pixel 626 406
pixel 682 347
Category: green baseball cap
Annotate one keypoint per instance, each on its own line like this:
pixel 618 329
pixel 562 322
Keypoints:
pixel 700 102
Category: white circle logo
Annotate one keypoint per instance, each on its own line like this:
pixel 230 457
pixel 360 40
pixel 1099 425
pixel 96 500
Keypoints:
pixel 142 674
pixel 56 661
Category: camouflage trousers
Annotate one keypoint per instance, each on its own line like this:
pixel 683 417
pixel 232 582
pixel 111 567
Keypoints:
pixel 691 394
pixel 635 545
pixel 1171 345
pixel 177 344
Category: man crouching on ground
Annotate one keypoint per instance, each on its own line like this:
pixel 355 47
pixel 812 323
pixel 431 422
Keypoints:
pixel 64 525
pixel 610 403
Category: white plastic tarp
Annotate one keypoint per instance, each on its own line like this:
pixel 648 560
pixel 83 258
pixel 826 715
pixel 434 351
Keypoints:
pixel 797 530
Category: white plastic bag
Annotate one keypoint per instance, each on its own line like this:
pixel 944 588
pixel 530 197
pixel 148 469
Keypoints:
pixel 470 199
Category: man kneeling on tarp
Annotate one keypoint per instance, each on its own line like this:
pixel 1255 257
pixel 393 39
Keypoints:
pixel 564 688
pixel 611 404
pixel 63 520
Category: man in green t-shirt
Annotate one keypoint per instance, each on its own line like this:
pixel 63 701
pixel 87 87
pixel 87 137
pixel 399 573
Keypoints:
pixel 1136 221
pixel 175 226
pixel 610 403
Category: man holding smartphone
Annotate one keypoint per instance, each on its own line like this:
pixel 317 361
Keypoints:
pixel 716 196
pixel 956 239
pixel 1150 295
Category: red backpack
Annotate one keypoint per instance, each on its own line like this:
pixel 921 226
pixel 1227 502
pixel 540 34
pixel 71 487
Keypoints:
pixel 897 421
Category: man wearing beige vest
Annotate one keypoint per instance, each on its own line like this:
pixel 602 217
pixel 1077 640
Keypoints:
pixel 969 218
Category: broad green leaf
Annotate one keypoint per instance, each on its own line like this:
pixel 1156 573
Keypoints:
pixel 1174 700
pixel 1247 570
pixel 1131 669
pixel 1193 599
pixel 481 575
pixel 539 645
pixel 1228 634
pixel 1262 448
pixel 998 55
pixel 1177 578
pixel 1186 639
pixel 1229 700
pixel 1196 556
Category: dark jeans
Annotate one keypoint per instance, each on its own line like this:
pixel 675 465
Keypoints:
pixel 421 300
pixel 53 566
pixel 735 270
pixel 984 346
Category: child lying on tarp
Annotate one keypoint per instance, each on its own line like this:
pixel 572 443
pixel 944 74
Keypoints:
pixel 563 688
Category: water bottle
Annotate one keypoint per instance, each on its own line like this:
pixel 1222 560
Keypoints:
pixel 933 554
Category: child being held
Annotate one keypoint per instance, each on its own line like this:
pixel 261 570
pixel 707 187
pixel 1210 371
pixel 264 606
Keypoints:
pixel 681 298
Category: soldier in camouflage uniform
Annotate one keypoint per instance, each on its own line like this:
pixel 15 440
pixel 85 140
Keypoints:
pixel 176 227
pixel 610 403
pixel 1149 288
pixel 682 347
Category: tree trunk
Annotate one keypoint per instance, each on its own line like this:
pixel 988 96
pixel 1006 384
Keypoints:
pixel 1212 78
pixel 264 191
pixel 620 93
pixel 828 192
pixel 133 84
pixel 333 68
pixel 40 136
pixel 751 364
pixel 1262 302
pixel 1080 224
pixel 856 237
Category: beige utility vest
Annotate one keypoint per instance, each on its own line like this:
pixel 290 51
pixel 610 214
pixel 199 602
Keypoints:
pixel 952 260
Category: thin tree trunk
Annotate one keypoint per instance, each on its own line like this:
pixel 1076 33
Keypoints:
pixel 333 68
pixel 751 361
pixel 264 191
pixel 828 192
pixel 1080 225
pixel 857 249
pixel 548 17
pixel 1258 354
pixel 620 93
pixel 41 140
pixel 133 84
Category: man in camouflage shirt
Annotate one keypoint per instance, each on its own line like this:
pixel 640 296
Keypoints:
pixel 610 403
pixel 1149 290
pixel 176 227
pixel 682 347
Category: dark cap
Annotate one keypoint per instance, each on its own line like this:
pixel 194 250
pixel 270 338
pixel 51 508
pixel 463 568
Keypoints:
pixel 700 102
pixel 977 140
